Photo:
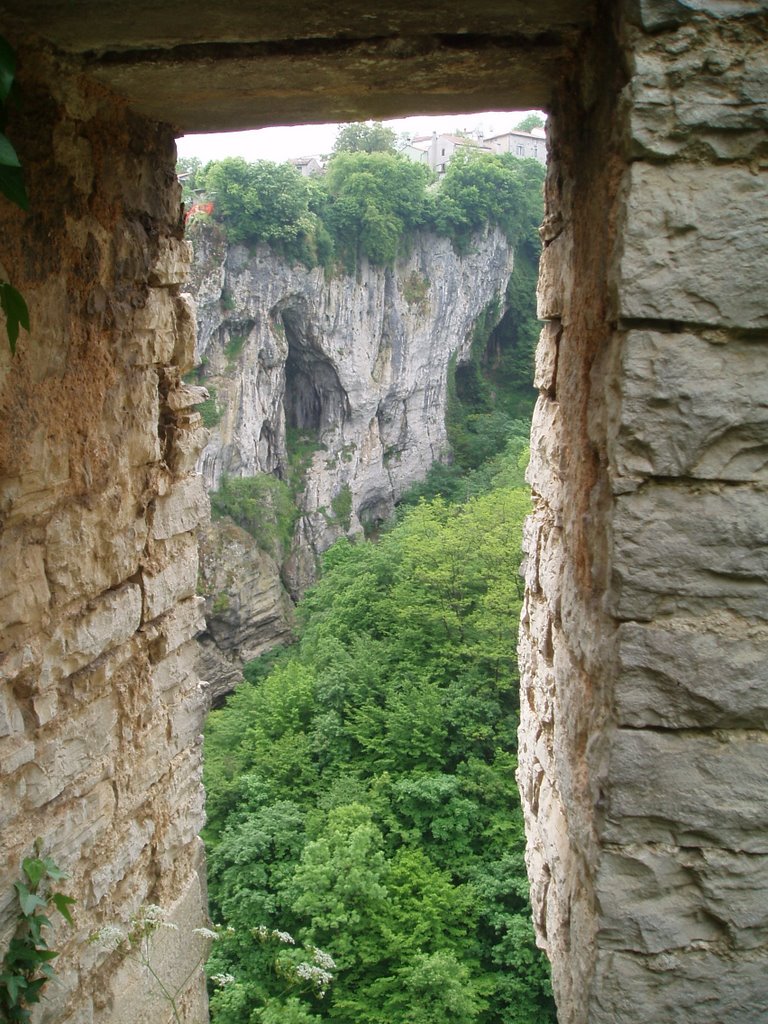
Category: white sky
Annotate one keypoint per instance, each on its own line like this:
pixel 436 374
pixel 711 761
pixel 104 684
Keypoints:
pixel 316 139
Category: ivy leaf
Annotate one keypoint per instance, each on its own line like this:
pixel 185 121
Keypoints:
pixel 53 871
pixel 16 315
pixel 14 983
pixel 36 922
pixel 7 68
pixel 29 901
pixel 63 903
pixel 32 993
pixel 12 186
pixel 8 155
pixel 32 867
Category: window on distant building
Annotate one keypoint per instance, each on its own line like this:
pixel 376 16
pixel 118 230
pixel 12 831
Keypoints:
pixel 520 150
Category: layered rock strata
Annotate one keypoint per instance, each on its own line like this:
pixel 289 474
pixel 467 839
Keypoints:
pixel 248 610
pixel 100 706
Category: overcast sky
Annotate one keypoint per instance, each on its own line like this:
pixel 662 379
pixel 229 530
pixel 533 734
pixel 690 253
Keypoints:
pixel 316 139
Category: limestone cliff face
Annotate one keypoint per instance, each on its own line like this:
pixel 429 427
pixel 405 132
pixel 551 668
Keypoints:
pixel 358 364
pixel 247 610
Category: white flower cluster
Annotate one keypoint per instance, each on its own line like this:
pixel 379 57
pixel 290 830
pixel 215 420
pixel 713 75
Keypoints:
pixel 262 933
pixel 222 979
pixel 206 933
pixel 318 973
pixel 110 937
pixel 151 917
pixel 324 960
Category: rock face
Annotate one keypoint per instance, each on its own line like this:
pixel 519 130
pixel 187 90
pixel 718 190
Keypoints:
pixel 247 609
pixel 100 705
pixel 358 364
pixel 643 706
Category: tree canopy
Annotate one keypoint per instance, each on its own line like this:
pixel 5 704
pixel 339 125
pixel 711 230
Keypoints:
pixel 361 786
pixel 367 137
pixel 369 202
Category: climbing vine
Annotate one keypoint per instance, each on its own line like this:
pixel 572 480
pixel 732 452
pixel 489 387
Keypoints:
pixel 12 187
pixel 27 966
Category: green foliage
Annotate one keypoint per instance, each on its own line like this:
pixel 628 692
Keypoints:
pixel 300 446
pixel 233 348
pixel 16 313
pixel 361 787
pixel 480 188
pixel 263 505
pixel 375 201
pixel 529 122
pixel 368 137
pixel 27 966
pixel 369 202
pixel 341 504
pixel 190 173
pixel 415 291
pixel 209 409
pixel 261 202
pixel 12 187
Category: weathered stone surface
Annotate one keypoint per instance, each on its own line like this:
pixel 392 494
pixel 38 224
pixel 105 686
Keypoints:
pixel 688 789
pixel 681 547
pixel 660 14
pixel 656 899
pixel 703 89
pixel 109 539
pixel 22 565
pixel 172 263
pixel 177 627
pixel 708 987
pixel 132 1000
pixel 687 227
pixel 182 510
pixel 113 618
pixel 87 453
pixel 247 609
pixel 706 673
pixel 170 578
pixel 692 408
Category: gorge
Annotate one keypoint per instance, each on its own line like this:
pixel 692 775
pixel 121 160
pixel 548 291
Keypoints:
pixel 352 370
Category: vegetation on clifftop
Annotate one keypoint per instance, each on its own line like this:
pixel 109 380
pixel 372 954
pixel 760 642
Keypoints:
pixel 367 204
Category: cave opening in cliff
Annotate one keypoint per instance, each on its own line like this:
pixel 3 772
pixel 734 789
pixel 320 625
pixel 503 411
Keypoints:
pixel 315 400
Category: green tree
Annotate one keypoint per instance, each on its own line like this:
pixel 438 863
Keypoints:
pixel 529 122
pixel 260 202
pixel 365 137
pixel 375 201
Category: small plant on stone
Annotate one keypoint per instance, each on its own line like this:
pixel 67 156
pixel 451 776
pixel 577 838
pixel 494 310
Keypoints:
pixel 136 943
pixel 27 965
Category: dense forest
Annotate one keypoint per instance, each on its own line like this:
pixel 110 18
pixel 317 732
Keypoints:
pixel 364 831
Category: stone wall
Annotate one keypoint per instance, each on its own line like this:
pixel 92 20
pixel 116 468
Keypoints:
pixel 644 710
pixel 100 709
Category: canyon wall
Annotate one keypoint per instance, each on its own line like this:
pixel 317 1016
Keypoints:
pixel 643 650
pixel 100 706
pixel 355 363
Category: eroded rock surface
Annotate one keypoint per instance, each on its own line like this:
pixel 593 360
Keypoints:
pixel 357 364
